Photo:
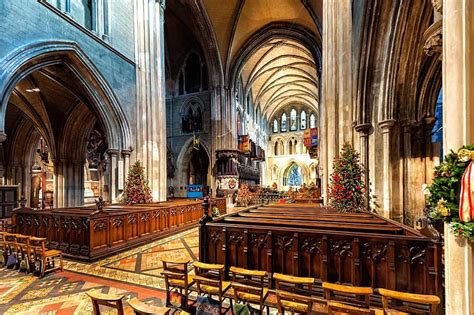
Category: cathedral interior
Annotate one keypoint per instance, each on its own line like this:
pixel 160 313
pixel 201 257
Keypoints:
pixel 292 139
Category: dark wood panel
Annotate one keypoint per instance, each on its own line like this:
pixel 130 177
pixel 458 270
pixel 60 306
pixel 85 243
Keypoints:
pixel 86 234
pixel 304 246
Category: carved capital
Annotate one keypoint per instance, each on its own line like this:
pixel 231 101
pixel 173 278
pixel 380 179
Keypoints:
pixel 363 129
pixel 126 153
pixel 438 5
pixel 3 137
pixel 433 39
pixel 162 3
pixel 112 152
pixel 386 124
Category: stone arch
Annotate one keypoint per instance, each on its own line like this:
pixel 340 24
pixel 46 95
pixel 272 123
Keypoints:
pixel 25 60
pixel 182 162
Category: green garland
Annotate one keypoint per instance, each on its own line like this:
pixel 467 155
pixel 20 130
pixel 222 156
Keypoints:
pixel 443 201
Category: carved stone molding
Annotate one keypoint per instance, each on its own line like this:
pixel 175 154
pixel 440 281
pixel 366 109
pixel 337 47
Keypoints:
pixel 438 5
pixel 433 39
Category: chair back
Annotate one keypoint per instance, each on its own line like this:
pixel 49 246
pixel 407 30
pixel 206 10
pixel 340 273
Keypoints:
pixel 38 246
pixel 10 243
pixel 293 293
pixel 175 272
pixel 410 302
pixel 349 299
pixel 209 278
pixel 23 243
pixel 249 285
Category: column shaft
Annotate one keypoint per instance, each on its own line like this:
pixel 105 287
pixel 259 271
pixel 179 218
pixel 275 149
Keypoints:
pixel 458 130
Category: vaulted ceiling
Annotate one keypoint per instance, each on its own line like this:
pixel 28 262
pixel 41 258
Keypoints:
pixel 280 71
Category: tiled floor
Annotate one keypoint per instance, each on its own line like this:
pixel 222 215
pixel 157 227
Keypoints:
pixel 135 273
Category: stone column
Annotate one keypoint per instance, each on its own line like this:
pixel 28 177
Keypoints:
pixel 112 165
pixel 3 137
pixel 386 126
pixel 458 130
pixel 126 163
pixel 151 102
pixel 363 130
pixel 335 112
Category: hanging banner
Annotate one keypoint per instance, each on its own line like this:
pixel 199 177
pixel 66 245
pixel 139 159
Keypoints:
pixel 244 143
pixel 307 137
pixel 310 137
pixel 314 136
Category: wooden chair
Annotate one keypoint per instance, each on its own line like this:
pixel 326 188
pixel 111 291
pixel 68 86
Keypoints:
pixel 210 280
pixel 10 246
pixel 43 256
pixel 109 300
pixel 23 252
pixel 141 308
pixel 177 277
pixel 432 301
pixel 249 286
pixel 293 293
pixel 348 301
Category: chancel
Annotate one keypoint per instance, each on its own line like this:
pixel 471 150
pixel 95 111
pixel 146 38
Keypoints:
pixel 236 157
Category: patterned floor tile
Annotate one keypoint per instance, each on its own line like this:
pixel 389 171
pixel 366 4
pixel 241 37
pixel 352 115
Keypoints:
pixel 134 273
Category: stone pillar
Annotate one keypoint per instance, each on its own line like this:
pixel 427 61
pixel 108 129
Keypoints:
pixel 363 130
pixel 386 126
pixel 112 165
pixel 126 164
pixel 336 110
pixel 151 102
pixel 3 137
pixel 458 130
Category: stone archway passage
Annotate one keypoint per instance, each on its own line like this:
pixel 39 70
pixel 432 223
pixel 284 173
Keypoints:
pixel 53 93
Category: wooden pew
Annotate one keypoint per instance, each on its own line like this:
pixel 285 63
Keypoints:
pixel 361 249
pixel 85 233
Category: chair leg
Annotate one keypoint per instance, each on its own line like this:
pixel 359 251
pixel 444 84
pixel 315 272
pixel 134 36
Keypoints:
pixel 61 262
pixel 95 307
pixel 43 267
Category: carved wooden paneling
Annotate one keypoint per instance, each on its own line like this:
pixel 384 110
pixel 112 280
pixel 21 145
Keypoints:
pixel 401 262
pixel 79 234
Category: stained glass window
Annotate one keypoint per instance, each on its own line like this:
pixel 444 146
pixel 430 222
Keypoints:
pixel 283 122
pixel 275 125
pixel 312 121
pixel 293 120
pixel 294 176
pixel 303 120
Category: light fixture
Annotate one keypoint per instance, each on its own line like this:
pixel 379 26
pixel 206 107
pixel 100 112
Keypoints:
pixel 33 90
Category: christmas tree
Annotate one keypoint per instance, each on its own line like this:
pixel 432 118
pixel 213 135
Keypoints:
pixel 347 190
pixel 136 188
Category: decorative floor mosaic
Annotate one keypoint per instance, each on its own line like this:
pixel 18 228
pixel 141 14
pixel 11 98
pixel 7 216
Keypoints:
pixel 134 273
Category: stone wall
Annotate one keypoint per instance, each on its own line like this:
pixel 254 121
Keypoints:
pixel 24 22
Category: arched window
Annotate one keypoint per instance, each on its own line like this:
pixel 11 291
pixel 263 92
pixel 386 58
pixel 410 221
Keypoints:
pixel 275 126
pixel 312 121
pixel 191 120
pixel 283 122
pixel 293 176
pixel 290 147
pixel 276 148
pixel 303 120
pixel 193 74
pixel 293 125
pixel 295 146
